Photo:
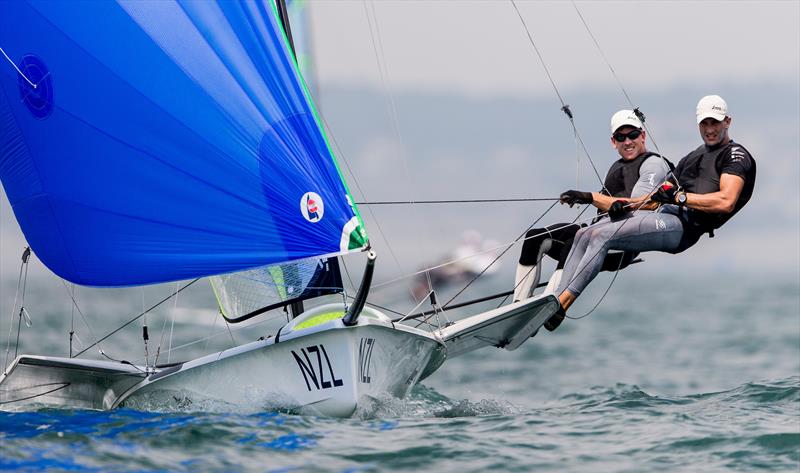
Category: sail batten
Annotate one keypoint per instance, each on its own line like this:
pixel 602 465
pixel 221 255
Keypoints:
pixel 164 141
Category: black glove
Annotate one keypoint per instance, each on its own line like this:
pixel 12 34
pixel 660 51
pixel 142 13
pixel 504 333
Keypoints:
pixel 576 197
pixel 617 210
pixel 665 193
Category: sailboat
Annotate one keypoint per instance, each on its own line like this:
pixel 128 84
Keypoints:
pixel 146 142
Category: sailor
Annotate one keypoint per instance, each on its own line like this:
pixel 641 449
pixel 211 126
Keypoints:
pixel 709 186
pixel 635 174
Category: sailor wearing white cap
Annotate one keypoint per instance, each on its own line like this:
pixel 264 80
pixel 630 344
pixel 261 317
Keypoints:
pixel 708 187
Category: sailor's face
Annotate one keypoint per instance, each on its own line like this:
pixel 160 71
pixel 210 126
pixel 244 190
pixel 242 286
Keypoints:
pixel 714 131
pixel 629 147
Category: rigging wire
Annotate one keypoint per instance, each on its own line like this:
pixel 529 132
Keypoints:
pixel 456 260
pixel 462 201
pixel 574 222
pixel 635 109
pixel 380 58
pixel 172 323
pixel 71 318
pixel 75 306
pixel 136 317
pixel 221 333
pixel 332 137
pixel 499 256
pixel 564 107
pixel 25 254
pixel 164 327
pixel 641 117
pixel 597 253
pixel 19 71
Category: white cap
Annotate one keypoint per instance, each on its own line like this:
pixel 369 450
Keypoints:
pixel 711 106
pixel 624 117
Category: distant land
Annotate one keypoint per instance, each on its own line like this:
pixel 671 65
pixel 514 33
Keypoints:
pixel 455 147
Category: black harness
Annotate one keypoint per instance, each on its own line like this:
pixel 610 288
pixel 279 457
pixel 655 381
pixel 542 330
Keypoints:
pixel 623 175
pixel 700 173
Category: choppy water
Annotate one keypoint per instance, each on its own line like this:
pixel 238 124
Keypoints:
pixel 700 377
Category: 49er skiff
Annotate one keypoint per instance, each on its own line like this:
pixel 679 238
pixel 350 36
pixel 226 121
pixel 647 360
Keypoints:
pixel 174 140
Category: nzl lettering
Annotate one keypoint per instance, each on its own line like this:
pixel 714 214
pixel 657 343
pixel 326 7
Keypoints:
pixel 315 372
pixel 365 358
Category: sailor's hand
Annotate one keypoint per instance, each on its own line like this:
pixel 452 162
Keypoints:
pixel 617 210
pixel 572 197
pixel 665 193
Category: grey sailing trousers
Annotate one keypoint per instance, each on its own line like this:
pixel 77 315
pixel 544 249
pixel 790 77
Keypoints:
pixel 642 231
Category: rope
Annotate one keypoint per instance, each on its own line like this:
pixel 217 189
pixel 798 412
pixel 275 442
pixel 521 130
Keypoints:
pixel 13 312
pixel 75 306
pixel 453 261
pixel 499 256
pixel 25 255
pixel 135 318
pixel 380 59
pixel 17 68
pixel 564 107
pixel 464 201
pixel 71 319
pixel 597 253
pixel 638 113
pixel 574 222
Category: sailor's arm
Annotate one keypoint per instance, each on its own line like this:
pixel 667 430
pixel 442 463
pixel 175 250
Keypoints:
pixel 652 172
pixel 720 202
pixel 603 202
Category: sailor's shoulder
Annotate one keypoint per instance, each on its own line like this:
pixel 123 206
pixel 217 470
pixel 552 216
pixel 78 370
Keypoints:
pixel 655 161
pixel 739 152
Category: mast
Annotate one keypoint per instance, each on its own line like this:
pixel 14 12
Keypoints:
pixel 283 15
pixel 296 307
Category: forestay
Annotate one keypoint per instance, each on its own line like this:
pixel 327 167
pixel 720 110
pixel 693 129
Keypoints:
pixel 158 141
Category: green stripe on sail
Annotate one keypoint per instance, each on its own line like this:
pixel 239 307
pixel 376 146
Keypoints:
pixel 358 238
pixel 361 239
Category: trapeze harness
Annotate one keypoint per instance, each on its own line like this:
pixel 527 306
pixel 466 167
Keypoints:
pixel 699 173
pixel 620 181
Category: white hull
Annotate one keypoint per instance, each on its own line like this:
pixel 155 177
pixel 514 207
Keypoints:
pixel 327 368
pixel 325 373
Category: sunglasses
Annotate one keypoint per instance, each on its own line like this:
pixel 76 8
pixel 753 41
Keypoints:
pixel 621 137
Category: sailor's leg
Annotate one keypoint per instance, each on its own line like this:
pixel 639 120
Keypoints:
pixel 554 281
pixel 539 241
pixel 645 231
pixel 576 255
pixel 523 282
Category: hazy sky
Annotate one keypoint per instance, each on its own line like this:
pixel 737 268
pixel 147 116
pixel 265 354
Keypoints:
pixel 480 47
pixel 479 51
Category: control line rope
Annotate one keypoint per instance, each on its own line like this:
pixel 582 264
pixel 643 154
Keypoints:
pixel 137 317
pixel 564 107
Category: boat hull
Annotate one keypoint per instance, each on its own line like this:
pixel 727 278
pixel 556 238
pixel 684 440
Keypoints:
pixel 327 373
pixel 327 369
pixel 315 364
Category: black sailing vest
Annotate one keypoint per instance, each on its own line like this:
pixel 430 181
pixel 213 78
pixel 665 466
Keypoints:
pixel 623 175
pixel 700 173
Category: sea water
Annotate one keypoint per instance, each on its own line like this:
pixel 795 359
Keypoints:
pixel 693 376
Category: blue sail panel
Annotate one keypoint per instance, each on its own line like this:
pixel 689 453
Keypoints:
pixel 143 142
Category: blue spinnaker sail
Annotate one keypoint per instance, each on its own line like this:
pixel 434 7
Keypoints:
pixel 143 142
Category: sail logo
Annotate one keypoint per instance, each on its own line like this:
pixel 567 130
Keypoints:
pixel 365 359
pixel 35 86
pixel 312 207
pixel 316 373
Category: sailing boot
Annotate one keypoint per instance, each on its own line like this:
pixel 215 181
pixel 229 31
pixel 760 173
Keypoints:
pixel 555 320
